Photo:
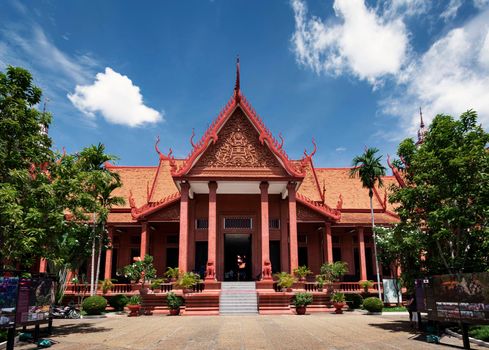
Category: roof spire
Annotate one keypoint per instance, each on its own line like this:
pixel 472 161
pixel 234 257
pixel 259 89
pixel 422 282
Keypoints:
pixel 422 129
pixel 236 86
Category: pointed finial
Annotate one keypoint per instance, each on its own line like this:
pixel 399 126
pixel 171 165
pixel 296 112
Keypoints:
pixel 422 130
pixel 421 118
pixel 236 86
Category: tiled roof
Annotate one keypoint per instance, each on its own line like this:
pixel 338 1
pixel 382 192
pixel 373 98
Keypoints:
pixel 163 183
pixel 135 179
pixel 364 218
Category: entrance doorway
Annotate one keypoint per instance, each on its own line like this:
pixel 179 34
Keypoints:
pixel 237 244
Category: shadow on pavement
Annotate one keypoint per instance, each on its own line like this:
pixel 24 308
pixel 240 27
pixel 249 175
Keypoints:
pixel 65 329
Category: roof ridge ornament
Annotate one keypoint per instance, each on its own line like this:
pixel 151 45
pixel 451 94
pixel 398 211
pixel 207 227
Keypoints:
pixel 237 93
pixel 422 129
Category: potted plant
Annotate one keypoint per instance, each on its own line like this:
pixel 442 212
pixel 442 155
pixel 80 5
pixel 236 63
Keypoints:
pixel 301 300
pixel 156 285
pixel 285 281
pixel 174 302
pixel 134 305
pixel 332 272
pixel 302 272
pixel 320 281
pixel 338 300
pixel 366 285
pixel 187 280
pixel 106 285
pixel 141 271
pixel 172 273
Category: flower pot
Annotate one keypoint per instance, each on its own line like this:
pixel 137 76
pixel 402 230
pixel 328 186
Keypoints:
pixel 338 307
pixel 187 290
pixel 134 310
pixel 175 312
pixel 301 310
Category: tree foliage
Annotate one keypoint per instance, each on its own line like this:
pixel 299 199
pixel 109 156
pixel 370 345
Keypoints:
pixel 447 194
pixel 45 196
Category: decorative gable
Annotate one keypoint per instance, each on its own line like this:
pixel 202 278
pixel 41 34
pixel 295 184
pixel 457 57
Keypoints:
pixel 238 147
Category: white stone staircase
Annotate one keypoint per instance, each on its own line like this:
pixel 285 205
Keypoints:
pixel 238 298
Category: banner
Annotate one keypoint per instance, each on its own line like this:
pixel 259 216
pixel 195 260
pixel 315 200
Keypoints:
pixel 9 287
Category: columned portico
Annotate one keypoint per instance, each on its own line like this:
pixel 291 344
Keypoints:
pixel 361 249
pixel 144 239
pixel 183 239
pixel 212 233
pixel 265 234
pixel 294 259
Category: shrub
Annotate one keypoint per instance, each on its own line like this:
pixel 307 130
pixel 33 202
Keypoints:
pixel 302 299
pixel 118 302
pixel 94 305
pixel 355 300
pixel 134 300
pixel 172 273
pixel 173 300
pixel 373 304
pixel 338 298
pixel 285 280
pixel 141 270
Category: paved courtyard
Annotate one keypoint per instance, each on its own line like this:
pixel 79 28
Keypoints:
pixel 315 331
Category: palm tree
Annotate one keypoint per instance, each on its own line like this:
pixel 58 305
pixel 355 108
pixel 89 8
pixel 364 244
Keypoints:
pixel 370 171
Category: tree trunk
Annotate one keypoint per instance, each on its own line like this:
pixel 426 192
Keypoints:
pixel 99 254
pixel 92 267
pixel 375 245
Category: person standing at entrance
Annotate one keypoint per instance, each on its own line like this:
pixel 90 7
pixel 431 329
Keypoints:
pixel 241 264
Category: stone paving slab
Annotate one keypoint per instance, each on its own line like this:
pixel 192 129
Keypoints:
pixel 314 331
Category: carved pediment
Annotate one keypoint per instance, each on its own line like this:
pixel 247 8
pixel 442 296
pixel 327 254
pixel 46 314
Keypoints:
pixel 238 147
pixel 306 214
pixel 170 213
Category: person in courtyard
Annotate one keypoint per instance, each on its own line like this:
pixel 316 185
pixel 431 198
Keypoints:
pixel 411 307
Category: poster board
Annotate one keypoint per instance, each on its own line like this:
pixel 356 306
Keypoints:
pixel 458 298
pixel 36 295
pixel 392 291
pixel 9 287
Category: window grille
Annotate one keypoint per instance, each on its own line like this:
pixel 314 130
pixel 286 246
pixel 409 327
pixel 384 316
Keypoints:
pixel 238 223
pixel 202 224
pixel 274 224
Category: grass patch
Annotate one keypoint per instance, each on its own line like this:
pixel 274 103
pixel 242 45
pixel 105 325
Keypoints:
pixel 394 309
pixel 477 332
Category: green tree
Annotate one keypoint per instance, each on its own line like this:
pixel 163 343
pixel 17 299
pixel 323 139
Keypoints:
pixel 447 193
pixel 369 169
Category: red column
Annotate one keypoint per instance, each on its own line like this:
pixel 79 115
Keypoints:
pixel 265 234
pixel 212 233
pixel 284 237
pixel 183 241
pixel 144 240
pixel 294 260
pixel 43 266
pixel 108 255
pixel 329 242
pixel 361 250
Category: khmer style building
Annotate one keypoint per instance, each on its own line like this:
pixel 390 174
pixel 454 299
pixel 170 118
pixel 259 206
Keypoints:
pixel 238 193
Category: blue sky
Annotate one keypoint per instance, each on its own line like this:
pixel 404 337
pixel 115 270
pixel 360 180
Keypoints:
pixel 347 72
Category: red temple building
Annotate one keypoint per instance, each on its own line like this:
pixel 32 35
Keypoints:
pixel 238 193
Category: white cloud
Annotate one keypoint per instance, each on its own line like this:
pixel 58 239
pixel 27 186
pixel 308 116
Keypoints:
pixel 362 43
pixel 480 4
pixel 450 77
pixel 340 149
pixel 451 10
pixel 116 98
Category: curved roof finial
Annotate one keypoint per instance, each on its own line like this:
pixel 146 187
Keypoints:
pixel 237 84
pixel 192 138
pixel 156 147
pixel 313 151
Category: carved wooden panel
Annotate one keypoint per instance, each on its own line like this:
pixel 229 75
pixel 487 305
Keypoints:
pixel 238 147
pixel 306 214
pixel 170 213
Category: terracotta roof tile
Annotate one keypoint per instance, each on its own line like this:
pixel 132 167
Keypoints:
pixel 309 186
pixel 120 217
pixel 364 218
pixel 163 182
pixel 135 179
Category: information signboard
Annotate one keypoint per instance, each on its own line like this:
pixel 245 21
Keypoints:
pixel 9 287
pixel 458 298
pixel 392 292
